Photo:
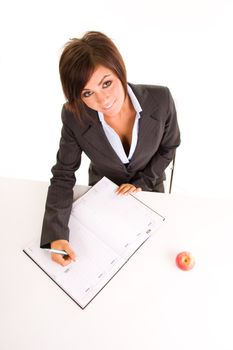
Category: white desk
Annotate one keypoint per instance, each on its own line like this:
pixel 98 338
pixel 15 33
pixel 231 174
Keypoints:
pixel 150 304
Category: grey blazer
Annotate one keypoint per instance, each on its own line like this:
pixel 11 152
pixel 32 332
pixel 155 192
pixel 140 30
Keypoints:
pixel 157 140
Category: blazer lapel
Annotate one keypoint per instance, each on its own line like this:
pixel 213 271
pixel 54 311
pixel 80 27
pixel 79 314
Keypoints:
pixel 148 123
pixel 93 133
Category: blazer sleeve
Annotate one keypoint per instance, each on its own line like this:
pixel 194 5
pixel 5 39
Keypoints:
pixel 60 192
pixel 153 173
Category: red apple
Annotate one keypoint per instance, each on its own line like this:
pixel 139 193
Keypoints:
pixel 185 261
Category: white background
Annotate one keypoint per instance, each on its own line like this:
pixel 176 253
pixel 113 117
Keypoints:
pixel 185 45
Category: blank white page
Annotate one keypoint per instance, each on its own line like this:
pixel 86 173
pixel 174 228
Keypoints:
pixel 118 221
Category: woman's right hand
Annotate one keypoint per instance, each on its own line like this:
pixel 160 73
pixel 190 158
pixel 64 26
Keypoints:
pixel 63 260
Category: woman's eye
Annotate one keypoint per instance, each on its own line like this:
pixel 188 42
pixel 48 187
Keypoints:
pixel 86 93
pixel 107 83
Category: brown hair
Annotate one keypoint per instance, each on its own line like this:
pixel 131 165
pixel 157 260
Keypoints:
pixel 78 61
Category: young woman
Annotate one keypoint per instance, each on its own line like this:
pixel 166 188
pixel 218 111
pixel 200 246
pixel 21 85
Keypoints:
pixel 129 132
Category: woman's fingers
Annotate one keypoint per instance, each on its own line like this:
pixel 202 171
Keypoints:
pixel 127 189
pixel 63 259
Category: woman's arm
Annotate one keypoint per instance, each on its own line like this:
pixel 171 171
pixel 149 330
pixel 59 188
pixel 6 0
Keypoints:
pixel 148 177
pixel 60 192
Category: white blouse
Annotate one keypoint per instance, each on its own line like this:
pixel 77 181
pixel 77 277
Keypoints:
pixel 114 138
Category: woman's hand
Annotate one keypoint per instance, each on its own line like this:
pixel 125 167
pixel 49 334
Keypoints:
pixel 127 189
pixel 63 260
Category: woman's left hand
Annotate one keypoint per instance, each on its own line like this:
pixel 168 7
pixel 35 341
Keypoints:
pixel 127 189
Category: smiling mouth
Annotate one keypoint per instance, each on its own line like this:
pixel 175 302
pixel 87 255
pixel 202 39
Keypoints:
pixel 106 108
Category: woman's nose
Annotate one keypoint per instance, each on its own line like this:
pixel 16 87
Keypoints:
pixel 103 98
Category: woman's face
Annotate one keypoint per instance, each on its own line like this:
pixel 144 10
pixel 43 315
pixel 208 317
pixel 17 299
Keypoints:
pixel 104 92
